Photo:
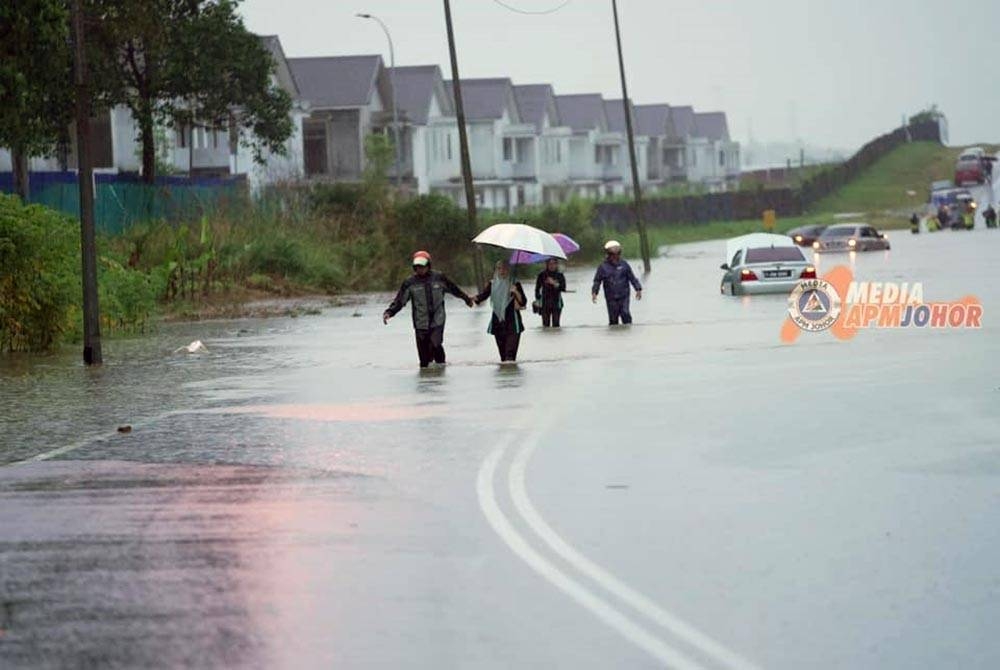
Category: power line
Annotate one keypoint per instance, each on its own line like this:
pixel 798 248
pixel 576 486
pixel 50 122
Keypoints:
pixel 532 13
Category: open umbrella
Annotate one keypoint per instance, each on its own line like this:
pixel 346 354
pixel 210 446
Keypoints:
pixel 520 237
pixel 567 243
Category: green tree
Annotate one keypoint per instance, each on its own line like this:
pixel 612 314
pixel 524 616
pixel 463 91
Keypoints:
pixel 178 62
pixel 36 99
pixel 931 113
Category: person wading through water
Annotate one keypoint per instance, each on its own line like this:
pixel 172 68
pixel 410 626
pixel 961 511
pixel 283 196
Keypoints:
pixel 425 290
pixel 507 299
pixel 549 288
pixel 615 275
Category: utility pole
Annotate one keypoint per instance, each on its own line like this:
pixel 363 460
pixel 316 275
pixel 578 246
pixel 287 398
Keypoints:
pixel 636 189
pixel 463 145
pixel 88 245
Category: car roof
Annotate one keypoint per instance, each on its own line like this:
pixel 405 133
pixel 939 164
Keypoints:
pixel 845 226
pixel 756 240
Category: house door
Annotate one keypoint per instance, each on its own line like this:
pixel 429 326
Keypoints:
pixel 314 147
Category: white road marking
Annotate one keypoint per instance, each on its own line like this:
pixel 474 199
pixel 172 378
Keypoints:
pixel 572 588
pixel 607 581
pixel 46 455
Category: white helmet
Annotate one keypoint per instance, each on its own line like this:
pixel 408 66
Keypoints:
pixel 613 246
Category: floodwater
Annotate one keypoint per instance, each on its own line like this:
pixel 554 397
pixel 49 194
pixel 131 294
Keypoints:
pixel 688 492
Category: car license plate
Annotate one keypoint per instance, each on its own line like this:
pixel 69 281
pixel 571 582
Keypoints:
pixel 774 274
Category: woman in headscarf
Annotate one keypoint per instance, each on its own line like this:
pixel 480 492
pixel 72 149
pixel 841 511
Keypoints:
pixel 507 300
pixel 548 291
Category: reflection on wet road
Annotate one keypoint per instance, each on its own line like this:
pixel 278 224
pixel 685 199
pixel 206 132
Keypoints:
pixel 695 493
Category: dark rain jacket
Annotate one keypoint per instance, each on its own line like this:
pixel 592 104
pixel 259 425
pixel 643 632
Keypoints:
pixel 615 277
pixel 551 296
pixel 426 294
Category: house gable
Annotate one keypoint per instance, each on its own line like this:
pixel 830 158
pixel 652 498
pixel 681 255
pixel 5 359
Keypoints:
pixel 340 82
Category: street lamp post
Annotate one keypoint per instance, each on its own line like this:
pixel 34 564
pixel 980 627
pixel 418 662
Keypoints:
pixel 392 85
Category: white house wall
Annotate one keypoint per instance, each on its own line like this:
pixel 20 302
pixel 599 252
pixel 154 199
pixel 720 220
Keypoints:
pixel 125 140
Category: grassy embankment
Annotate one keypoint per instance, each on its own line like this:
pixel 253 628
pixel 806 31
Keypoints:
pixel 881 195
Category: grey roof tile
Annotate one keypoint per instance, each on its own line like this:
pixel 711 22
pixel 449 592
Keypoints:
pixel 415 87
pixel 711 125
pixel 337 81
pixel 533 101
pixel 652 120
pixel 615 112
pixel 483 99
pixel 582 112
pixel 682 121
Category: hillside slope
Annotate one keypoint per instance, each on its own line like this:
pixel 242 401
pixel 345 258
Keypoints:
pixel 884 189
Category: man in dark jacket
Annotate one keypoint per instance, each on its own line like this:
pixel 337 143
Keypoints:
pixel 616 275
pixel 425 290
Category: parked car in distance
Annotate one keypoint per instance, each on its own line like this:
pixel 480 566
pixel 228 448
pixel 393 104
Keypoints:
pixel 851 237
pixel 804 236
pixel 763 263
pixel 969 169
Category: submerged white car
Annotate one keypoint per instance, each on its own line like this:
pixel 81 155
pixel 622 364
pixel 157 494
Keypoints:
pixel 763 263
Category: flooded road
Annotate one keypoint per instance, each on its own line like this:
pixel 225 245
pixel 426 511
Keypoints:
pixel 688 492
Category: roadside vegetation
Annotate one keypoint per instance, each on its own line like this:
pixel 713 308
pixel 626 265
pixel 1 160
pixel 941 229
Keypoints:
pixel 40 282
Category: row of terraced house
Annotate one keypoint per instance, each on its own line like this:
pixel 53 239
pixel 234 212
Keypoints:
pixel 528 144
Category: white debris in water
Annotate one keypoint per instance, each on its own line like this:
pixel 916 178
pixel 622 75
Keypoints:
pixel 193 348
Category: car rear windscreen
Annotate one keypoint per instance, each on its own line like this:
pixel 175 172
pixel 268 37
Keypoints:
pixel 838 232
pixel 774 254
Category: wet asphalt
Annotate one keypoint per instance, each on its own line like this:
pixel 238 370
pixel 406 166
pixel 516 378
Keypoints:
pixel 687 492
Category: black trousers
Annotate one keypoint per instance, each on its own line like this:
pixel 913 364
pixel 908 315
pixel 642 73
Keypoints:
pixel 618 309
pixel 507 343
pixel 430 345
pixel 550 317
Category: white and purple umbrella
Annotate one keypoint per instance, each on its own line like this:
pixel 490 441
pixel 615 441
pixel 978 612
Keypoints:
pixel 520 237
pixel 566 243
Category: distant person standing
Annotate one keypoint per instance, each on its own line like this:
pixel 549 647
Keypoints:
pixel 914 223
pixel 990 216
pixel 549 288
pixel 425 291
pixel 616 276
pixel 942 217
pixel 507 299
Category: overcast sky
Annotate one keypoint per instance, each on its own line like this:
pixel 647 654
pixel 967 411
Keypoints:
pixel 830 72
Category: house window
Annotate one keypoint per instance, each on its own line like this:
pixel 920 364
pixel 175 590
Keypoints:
pixel 448 137
pixel 597 155
pixel 508 149
pixel 722 159
pixel 181 138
